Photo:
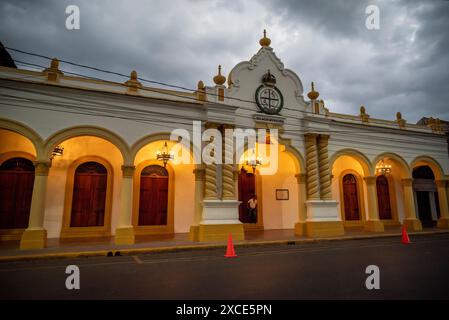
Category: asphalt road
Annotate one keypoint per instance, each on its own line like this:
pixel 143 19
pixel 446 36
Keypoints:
pixel 325 270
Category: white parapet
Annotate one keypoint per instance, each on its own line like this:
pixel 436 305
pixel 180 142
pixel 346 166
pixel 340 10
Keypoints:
pixel 322 210
pixel 220 212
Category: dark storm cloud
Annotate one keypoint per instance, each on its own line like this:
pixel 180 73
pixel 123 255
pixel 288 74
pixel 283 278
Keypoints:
pixel 401 67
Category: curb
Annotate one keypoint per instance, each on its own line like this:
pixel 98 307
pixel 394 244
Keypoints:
pixel 133 251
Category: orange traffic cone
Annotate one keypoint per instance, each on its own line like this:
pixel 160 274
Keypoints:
pixel 405 238
pixel 230 253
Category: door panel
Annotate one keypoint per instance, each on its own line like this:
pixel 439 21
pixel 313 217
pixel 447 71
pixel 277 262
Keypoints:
pixel 89 196
pixel 153 200
pixel 246 189
pixel 350 198
pixel 16 190
pixel 383 198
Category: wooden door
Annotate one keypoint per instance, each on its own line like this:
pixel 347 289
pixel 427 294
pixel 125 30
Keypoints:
pixel 89 195
pixel 246 189
pixel 424 209
pixel 153 202
pixel 16 191
pixel 350 198
pixel 383 197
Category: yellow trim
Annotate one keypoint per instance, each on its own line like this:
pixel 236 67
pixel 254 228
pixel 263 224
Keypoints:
pixel 360 196
pixel 164 229
pixel 324 228
pixel 76 232
pixel 220 232
pixel 33 239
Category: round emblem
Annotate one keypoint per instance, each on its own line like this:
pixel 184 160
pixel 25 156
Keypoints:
pixel 269 99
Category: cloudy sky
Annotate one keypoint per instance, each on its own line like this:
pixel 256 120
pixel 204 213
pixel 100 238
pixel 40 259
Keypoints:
pixel 404 66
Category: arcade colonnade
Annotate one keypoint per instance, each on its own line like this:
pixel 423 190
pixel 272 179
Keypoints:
pixel 123 174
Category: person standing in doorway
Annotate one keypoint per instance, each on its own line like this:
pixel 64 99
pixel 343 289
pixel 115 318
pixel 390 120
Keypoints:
pixel 252 209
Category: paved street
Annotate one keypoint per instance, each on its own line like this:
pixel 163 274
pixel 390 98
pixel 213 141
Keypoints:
pixel 331 270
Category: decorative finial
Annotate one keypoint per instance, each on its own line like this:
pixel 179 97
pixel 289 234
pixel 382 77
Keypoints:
pixel 313 95
pixel 265 42
pixel 54 64
pixel 53 71
pixel 363 115
pixel 362 110
pixel 133 83
pixel 219 79
pixel 398 116
pixel 200 84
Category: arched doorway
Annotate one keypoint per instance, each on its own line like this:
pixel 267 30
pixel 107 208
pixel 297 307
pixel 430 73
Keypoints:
pixel 16 190
pixel 89 195
pixel 246 189
pixel 383 198
pixel 351 197
pixel 426 195
pixel 153 201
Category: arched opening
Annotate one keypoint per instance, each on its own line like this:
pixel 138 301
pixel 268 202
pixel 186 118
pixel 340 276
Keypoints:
pixel 351 198
pixel 389 185
pixel 88 171
pixel 383 198
pixel 349 168
pixel 276 191
pixel 426 195
pixel 153 200
pixel 16 190
pixel 178 203
pixel 89 195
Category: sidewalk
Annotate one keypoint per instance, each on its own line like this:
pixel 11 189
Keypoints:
pixel 169 243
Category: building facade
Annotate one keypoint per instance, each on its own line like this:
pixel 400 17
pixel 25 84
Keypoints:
pixel 84 158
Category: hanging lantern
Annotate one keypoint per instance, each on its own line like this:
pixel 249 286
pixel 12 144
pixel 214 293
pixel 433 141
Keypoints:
pixel 164 155
pixel 383 168
pixel 57 151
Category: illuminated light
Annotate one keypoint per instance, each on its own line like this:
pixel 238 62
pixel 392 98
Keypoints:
pixel 383 168
pixel 164 155
pixel 57 151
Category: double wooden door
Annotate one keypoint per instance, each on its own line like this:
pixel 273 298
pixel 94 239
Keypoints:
pixel 351 198
pixel 89 195
pixel 16 190
pixel 246 189
pixel 383 198
pixel 153 202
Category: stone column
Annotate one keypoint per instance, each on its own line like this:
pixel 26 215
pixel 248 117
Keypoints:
pixel 312 167
pixel 410 221
pixel 200 174
pixel 124 234
pixel 300 226
pixel 35 236
pixel 228 169
pixel 323 218
pixel 373 223
pixel 443 221
pixel 324 172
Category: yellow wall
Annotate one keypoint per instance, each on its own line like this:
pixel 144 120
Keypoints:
pixel 280 214
pixel 11 141
pixel 184 186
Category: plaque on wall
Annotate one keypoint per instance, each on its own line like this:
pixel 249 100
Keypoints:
pixel 282 194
